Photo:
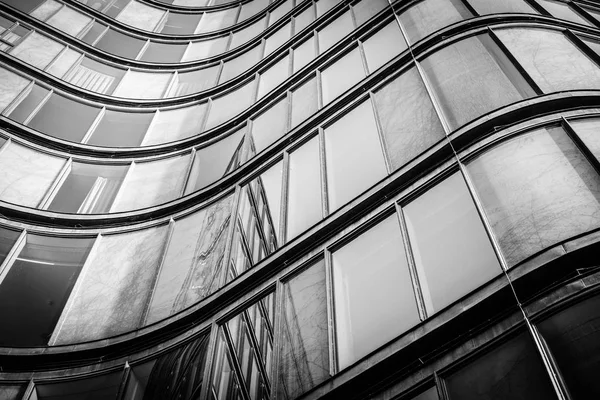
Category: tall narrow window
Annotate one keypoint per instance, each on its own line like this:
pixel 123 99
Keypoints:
pixel 36 287
pixel 374 298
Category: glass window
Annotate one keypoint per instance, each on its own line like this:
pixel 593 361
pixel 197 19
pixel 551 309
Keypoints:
pixel 325 5
pixel 280 11
pixel 120 44
pixel 194 81
pixel 246 34
pixel 46 9
pixel 252 8
pixel 304 19
pixel 592 43
pixel 12 391
pixel 8 237
pixel 192 268
pixel 278 38
pixel 305 205
pixel 171 125
pixel 26 174
pixel 64 118
pixel 563 11
pixel 267 194
pixel 95 76
pixel 304 54
pixel 304 333
pixel 452 252
pixel 140 16
pixel 121 129
pixel 501 6
pixel 213 21
pixel 587 130
pixel 98 387
pixel 151 183
pixel 270 125
pixel 37 50
pixel 28 103
pixel 429 394
pixel 70 21
pixel 372 305
pixel 180 23
pixel 236 66
pixel 335 31
pixel 117 281
pixel 225 384
pixel 115 8
pixel 11 85
pixel 224 108
pixel 551 59
pixel 512 370
pixel 537 189
pixel 37 286
pixel 429 16
pixel 215 161
pixel 354 158
pixel 409 122
pixel 93 33
pixel 205 49
pixel 163 52
pixel 342 75
pixel 458 72
pixel 574 341
pixel 64 62
pixel 384 45
pixel 143 85
pixel 365 9
pixel 304 101
pixel 274 76
pixel 89 188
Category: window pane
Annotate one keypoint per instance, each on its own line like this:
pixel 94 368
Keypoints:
pixel 459 71
pixel 194 81
pixel 213 21
pixel 143 85
pixel 384 45
pixel 373 305
pixel 121 129
pixel 512 370
pixel 304 19
pixel 246 34
pixel 225 384
pixel 37 286
pixel 11 85
pixel 117 281
pixel 8 237
pixel 64 118
pixel 341 75
pixel 429 16
pixel 563 11
pixel 140 16
pixel 163 52
pixel 409 122
pixel 215 161
pixel 365 9
pixel 551 59
pixel 181 24
pixel 205 48
pixel 502 6
pixel 238 65
pixel 304 53
pixel 225 107
pixel 92 35
pixel 278 38
pixel 193 264
pixel 171 125
pixel 304 333
pixel 89 188
pixel 95 76
pixel 27 104
pixel 452 252
pixel 280 11
pixel 37 50
pixel 588 131
pixel 12 391
pixel 152 183
pixel 353 153
pixel 274 76
pixel 69 21
pixel 270 125
pixel 537 189
pixel 335 31
pixel 574 340
pixel 99 387
pixel 429 394
pixel 304 207
pixel 120 44
pixel 64 63
pixel 26 174
pixel 304 101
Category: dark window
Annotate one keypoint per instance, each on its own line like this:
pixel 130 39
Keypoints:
pixel 120 44
pixel 181 24
pixel 8 237
pixel 104 387
pixel 163 52
pixel 121 129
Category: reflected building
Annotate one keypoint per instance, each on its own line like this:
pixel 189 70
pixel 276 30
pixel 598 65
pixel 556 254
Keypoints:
pixel 299 199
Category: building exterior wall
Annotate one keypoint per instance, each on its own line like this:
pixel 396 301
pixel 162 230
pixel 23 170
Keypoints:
pixel 253 199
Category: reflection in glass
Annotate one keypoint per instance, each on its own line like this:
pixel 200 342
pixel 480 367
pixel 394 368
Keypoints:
pixel 574 341
pixel 501 6
pixel 341 75
pixel 163 52
pixel 120 44
pixel 513 370
pixel 28 103
pixel 225 384
pixel 304 101
pixel 304 198
pixel 384 45
pixel 36 287
pixel 429 16
pixel 121 129
pixel 452 252
pixel 353 154
pixel 98 387
pixel 270 125
pixel 304 333
pixel 89 188
pixel 8 237
pixel 537 189
pixel 227 106
pixel 374 299
pixel 459 71
pixel 563 11
pixel 334 31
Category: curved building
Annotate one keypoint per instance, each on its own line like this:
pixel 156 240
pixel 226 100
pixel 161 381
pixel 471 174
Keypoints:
pixel 282 199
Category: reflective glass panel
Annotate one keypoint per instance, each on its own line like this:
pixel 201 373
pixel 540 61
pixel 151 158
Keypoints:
pixel 428 16
pixel 96 388
pixel 304 101
pixel 341 75
pixel 8 237
pixel 270 125
pixel 334 31
pixel 121 129
pixel 384 45
pixel 120 44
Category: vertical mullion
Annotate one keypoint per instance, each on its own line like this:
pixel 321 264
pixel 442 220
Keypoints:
pixel 210 362
pixel 277 328
pixel 283 209
pixel 37 108
pixel 333 367
pixel 237 368
pixel 230 236
pixel 29 390
pixel 124 380
pixel 188 173
pixel 55 186
pixel 12 254
pixel 382 140
pixel 323 167
pixel 412 268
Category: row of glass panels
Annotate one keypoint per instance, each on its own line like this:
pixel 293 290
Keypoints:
pixel 378 136
pixel 198 3
pixel 535 190
pixel 145 17
pixel 311 350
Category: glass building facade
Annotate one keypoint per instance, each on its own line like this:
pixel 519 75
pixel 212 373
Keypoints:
pixel 282 199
